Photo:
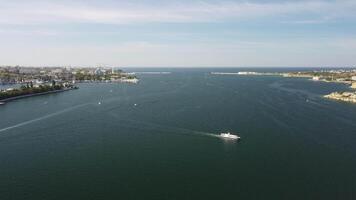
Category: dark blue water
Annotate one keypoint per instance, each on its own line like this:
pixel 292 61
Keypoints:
pixel 154 140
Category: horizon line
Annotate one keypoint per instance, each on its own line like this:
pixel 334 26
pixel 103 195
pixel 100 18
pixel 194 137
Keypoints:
pixel 108 66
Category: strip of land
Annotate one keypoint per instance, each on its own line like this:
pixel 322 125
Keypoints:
pixel 34 94
pixel 336 76
pixel 343 96
pixel 30 91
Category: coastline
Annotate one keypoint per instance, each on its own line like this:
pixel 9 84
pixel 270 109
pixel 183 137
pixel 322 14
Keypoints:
pixel 122 80
pixel 349 97
pixel 35 94
pixel 133 80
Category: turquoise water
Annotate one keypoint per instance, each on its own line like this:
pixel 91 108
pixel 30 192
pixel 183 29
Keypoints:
pixel 155 140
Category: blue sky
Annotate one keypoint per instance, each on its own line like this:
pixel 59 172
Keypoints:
pixel 178 33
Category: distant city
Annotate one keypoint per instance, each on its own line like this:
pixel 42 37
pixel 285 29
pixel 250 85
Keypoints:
pixel 40 75
pixel 34 81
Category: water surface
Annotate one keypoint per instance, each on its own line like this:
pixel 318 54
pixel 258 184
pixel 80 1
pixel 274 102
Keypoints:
pixel 153 140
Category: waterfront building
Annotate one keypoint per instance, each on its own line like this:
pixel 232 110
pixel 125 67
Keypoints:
pixel 353 85
pixel 316 78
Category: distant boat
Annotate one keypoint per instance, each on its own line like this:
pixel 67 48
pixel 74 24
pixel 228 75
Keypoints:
pixel 99 103
pixel 2 103
pixel 228 135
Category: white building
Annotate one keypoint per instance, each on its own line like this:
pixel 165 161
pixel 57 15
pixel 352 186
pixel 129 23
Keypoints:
pixel 353 85
pixel 316 78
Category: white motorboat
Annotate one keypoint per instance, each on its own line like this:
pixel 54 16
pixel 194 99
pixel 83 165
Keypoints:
pixel 228 135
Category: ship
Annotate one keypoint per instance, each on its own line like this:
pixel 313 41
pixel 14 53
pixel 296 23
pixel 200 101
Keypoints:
pixel 228 135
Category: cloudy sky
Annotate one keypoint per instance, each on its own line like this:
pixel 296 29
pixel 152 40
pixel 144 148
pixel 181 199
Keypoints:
pixel 178 33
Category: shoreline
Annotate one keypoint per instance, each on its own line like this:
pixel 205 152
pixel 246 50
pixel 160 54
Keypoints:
pixel 133 80
pixel 33 95
pixel 348 97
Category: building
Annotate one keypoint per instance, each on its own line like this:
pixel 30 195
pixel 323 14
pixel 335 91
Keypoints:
pixel 353 85
pixel 316 78
pixel 99 71
pixel 28 70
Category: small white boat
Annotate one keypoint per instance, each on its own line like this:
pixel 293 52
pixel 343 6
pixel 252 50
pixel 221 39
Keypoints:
pixel 2 103
pixel 228 135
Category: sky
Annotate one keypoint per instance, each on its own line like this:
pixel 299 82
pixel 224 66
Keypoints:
pixel 184 33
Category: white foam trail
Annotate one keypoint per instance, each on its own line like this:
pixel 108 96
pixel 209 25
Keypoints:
pixel 43 117
pixel 170 128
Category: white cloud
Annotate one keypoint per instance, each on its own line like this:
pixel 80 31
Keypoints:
pixel 163 47
pixel 12 32
pixel 199 11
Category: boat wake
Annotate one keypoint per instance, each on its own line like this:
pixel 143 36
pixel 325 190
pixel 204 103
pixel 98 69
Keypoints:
pixel 150 125
pixel 43 117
